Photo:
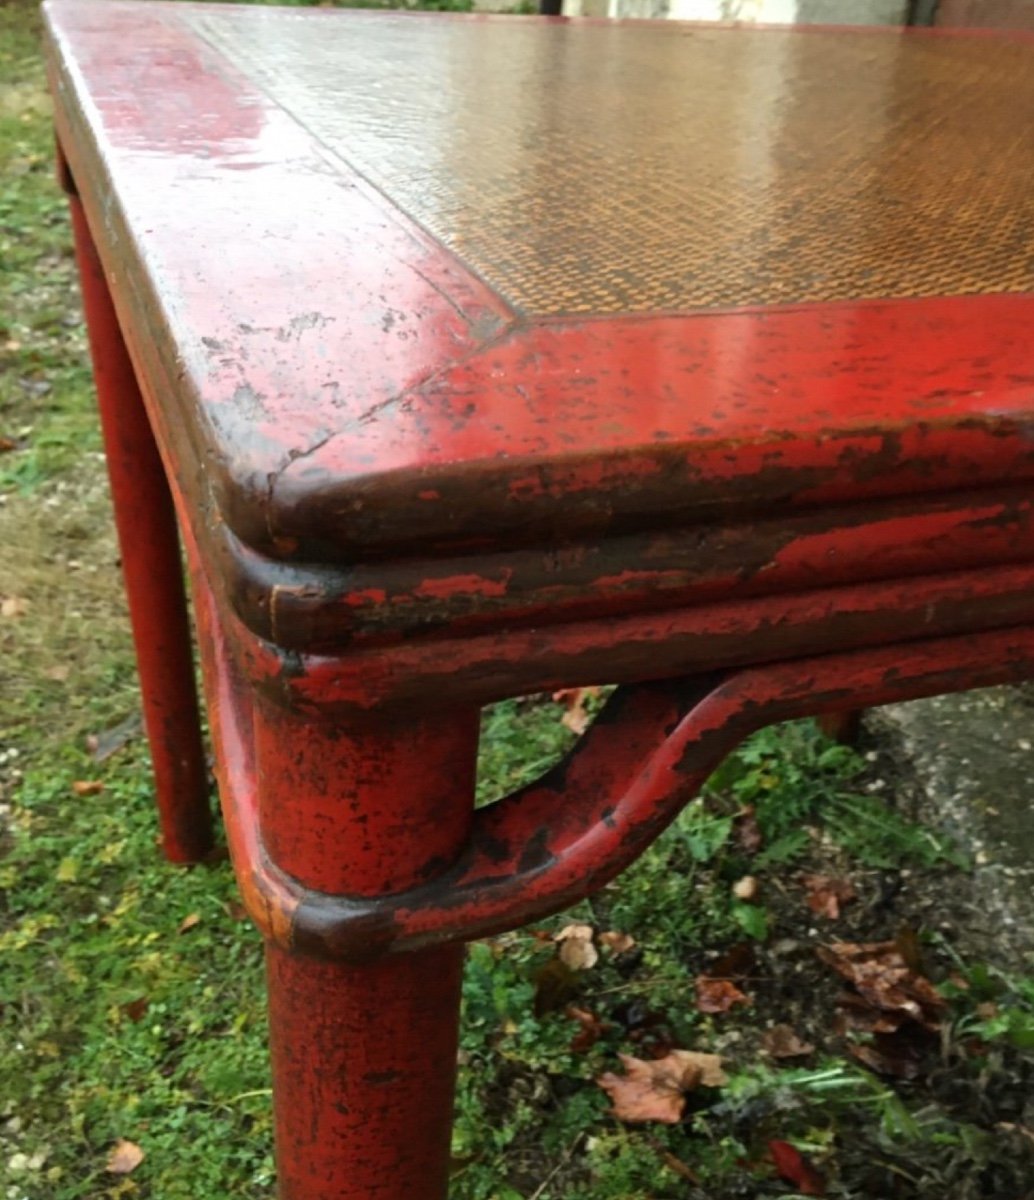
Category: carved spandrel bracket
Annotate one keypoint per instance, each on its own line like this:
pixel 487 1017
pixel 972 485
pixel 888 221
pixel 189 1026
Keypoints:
pixel 551 843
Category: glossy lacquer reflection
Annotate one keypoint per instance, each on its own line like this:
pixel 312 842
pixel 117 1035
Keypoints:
pixel 412 270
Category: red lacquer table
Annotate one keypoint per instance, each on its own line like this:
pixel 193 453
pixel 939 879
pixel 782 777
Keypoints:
pixel 487 356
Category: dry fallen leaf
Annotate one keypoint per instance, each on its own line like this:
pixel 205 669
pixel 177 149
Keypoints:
pixel 124 1157
pixel 855 1015
pixel 59 674
pixel 576 947
pixel 709 1067
pixel 189 921
pixel 589 1033
pixel 655 1091
pixel 136 1010
pixel 577 718
pixel 87 787
pixel 826 894
pixel 619 943
pixel 718 995
pixel 13 606
pixel 782 1042
pixel 879 973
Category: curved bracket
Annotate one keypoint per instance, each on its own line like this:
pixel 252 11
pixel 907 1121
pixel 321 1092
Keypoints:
pixel 550 844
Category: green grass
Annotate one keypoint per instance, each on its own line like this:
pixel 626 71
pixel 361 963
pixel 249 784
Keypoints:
pixel 131 994
pixel 43 377
pixel 115 1023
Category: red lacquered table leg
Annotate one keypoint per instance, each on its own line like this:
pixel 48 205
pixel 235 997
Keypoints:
pixel 843 727
pixel 364 1056
pixel 152 569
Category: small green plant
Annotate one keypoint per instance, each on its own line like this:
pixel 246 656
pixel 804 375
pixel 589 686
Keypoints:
pixel 793 777
pixel 990 1005
pixel 818 1094
pixel 877 836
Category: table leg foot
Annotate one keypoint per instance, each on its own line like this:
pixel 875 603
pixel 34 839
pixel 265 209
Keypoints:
pixel 364 1053
pixel 152 569
pixel 364 1063
pixel 844 727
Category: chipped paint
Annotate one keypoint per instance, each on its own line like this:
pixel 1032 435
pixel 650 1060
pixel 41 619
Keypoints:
pixel 403 496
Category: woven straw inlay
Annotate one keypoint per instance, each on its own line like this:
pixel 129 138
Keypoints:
pixel 635 168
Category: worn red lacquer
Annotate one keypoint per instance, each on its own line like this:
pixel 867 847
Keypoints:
pixel 385 300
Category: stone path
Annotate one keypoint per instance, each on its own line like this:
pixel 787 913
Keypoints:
pixel 967 763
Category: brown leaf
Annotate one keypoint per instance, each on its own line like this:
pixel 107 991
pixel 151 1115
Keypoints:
pixel 826 894
pixel 7 443
pixel 640 1095
pixel 13 606
pixel 189 922
pixel 618 943
pixel 655 1091
pixel 589 1033
pixel 59 674
pixel 880 975
pixel 577 718
pixel 718 995
pixel 782 1042
pixel 87 787
pixel 124 1157
pixel 855 1015
pixel 235 910
pixel 576 947
pixel 709 1066
pixel 136 1010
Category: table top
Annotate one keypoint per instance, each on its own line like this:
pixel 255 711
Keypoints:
pixel 400 281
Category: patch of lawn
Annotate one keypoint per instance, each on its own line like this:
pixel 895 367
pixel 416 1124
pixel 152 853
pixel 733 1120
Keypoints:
pixel 133 1000
pixel 45 404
